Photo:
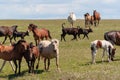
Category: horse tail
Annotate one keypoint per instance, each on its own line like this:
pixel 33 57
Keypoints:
pixel 106 36
pixel 63 24
pixel 49 34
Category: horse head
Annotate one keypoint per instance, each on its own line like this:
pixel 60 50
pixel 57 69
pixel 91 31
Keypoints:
pixel 31 27
pixel 55 44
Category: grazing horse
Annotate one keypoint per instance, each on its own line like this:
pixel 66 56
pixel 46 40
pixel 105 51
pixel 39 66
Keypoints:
pixel 97 17
pixel 7 32
pixel 49 50
pixel 71 18
pixel 39 34
pixel 19 34
pixel 106 46
pixel 113 37
pixel 88 19
pixel 14 52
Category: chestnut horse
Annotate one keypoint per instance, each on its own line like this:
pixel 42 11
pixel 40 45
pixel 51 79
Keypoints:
pixel 31 55
pixel 88 19
pixel 97 17
pixel 14 52
pixel 39 34
pixel 113 37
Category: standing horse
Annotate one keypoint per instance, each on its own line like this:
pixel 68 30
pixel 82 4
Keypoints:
pixel 71 18
pixel 14 52
pixel 113 37
pixel 97 17
pixel 31 55
pixel 106 46
pixel 7 32
pixel 49 50
pixel 88 19
pixel 39 34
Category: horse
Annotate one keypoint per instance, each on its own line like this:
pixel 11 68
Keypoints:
pixel 113 37
pixel 7 32
pixel 39 34
pixel 97 17
pixel 49 50
pixel 34 54
pixel 88 19
pixel 71 18
pixel 19 34
pixel 106 46
pixel 14 53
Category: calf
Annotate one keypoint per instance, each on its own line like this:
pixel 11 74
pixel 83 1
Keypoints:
pixel 19 34
pixel 85 32
pixel 69 31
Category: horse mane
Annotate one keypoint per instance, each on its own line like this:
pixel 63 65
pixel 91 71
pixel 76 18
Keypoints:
pixel 31 45
pixel 16 47
pixel 33 25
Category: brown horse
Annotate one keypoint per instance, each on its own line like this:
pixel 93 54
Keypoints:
pixel 31 55
pixel 113 37
pixel 7 32
pixel 14 52
pixel 97 17
pixel 39 34
pixel 88 19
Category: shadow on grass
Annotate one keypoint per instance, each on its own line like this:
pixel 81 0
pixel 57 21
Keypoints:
pixel 12 76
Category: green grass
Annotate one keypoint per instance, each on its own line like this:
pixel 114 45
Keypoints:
pixel 75 56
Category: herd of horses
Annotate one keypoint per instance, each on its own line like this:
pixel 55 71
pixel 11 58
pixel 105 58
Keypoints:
pixel 94 19
pixel 14 52
pixel 48 49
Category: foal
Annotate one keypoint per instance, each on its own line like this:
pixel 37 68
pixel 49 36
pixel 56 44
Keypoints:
pixel 106 46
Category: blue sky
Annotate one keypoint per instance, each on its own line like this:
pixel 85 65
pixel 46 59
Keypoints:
pixel 57 9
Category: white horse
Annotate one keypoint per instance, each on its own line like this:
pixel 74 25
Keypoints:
pixel 48 50
pixel 106 46
pixel 71 18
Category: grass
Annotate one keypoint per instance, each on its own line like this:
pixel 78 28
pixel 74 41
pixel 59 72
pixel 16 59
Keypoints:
pixel 75 56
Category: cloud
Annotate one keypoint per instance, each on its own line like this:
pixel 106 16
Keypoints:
pixel 43 9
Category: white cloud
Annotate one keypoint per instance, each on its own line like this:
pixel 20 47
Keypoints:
pixel 55 8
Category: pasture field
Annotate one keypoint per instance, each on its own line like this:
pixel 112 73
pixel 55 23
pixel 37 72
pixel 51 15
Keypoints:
pixel 75 56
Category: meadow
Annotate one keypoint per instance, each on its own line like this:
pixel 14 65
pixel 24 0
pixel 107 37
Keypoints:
pixel 75 56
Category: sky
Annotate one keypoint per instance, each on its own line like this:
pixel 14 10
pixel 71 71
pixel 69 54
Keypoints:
pixel 57 9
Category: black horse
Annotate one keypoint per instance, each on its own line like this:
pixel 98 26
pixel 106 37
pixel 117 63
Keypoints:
pixel 113 37
pixel 7 32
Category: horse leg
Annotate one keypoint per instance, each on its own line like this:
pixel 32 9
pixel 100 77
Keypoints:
pixel 38 62
pixel 19 66
pixel 48 64
pixel 2 65
pixel 45 63
pixel 95 23
pixel 93 57
pixel 15 66
pixel 4 40
pixel 57 63
pixel 103 55
pixel 12 65
pixel 32 64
